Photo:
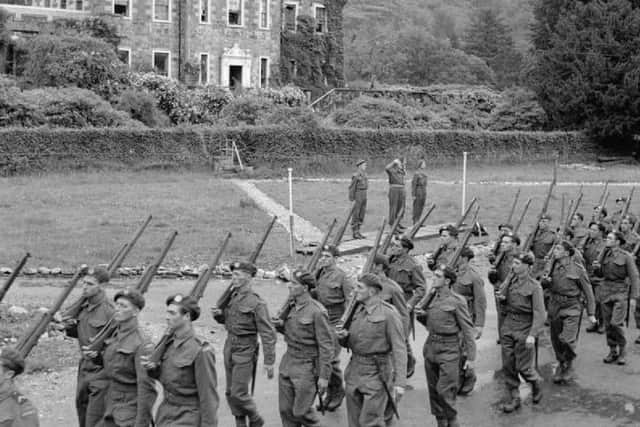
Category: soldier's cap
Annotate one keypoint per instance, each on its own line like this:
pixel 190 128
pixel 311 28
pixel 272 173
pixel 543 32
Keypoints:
pixel 11 360
pixel 545 216
pixel 619 237
pixel 330 249
pixel 621 199
pixel 526 258
pixel 304 278
pixel 189 305
pixel 603 210
pixel 505 225
pixel 99 273
pixel 514 237
pixel 406 242
pixel 360 161
pixel 631 218
pixel 371 280
pixel 467 253
pixel 247 267
pixel 131 295
pixel 448 273
pixel 453 231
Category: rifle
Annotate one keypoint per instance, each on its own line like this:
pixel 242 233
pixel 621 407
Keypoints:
pixel 414 230
pixel 343 228
pixel 500 258
pixel 13 276
pixel 30 339
pixel 313 262
pixel 545 205
pixel 625 211
pixel 254 256
pixel 572 212
pixel 606 197
pixel 513 207
pixel 389 236
pixel 97 342
pixel 602 199
pixel 466 212
pixel 391 401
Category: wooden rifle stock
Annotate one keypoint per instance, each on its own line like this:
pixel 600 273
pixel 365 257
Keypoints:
pixel 545 205
pixel 394 227
pixel 254 256
pixel 313 262
pixel 343 228
pixel 30 339
pixel 602 199
pixel 572 213
pixel 466 213
pixel 524 211
pixel 625 211
pixel 13 276
pixel 500 254
pixel 513 207
pixel 606 197
pixel 416 227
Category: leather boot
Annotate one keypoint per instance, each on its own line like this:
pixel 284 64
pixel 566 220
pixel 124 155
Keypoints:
pixel 558 375
pixel 621 357
pixel 536 391
pixel 334 400
pixel 569 372
pixel 442 422
pixel 256 421
pixel 611 357
pixel 453 422
pixel 241 421
pixel 511 405
pixel 592 328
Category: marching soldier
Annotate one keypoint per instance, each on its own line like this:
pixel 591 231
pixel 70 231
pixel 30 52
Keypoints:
pixel 448 246
pixel 375 376
pixel 186 369
pixel 332 290
pixel 498 273
pixel 523 308
pixel 592 248
pixel 84 322
pixel 130 394
pixel 470 285
pixel 568 281
pixel 616 216
pixel 448 321
pixel 358 194
pixel 580 232
pixel 393 294
pixel 541 245
pixel 396 173
pixel 305 367
pixel 15 409
pixel 619 280
pixel 419 191
pixel 245 318
pixel 503 229
pixel 600 215
pixel 630 236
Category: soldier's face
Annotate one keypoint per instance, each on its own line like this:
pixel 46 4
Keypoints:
pixel 596 212
pixel 326 259
pixel 90 287
pixel 518 266
pixel 544 223
pixel 611 241
pixel 125 310
pixel 506 243
pixel 620 204
pixel 363 167
pixel 625 225
pixel 396 247
pixel 439 279
pixel 175 318
pixel 240 277
pixel 362 292
pixel 559 251
pixel 575 221
pixel 445 237
pixel 296 289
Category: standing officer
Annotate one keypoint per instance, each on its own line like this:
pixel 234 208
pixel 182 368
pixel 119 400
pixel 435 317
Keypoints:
pixel 396 173
pixel 186 368
pixel 541 245
pixel 567 283
pixel 470 285
pixel 448 246
pixel 523 308
pixel 332 290
pixel 377 369
pixel 419 191
pixel 83 322
pixel 15 409
pixel 305 367
pixel 448 321
pixel 619 280
pixel 245 318
pixel 593 246
pixel 130 394
pixel 358 194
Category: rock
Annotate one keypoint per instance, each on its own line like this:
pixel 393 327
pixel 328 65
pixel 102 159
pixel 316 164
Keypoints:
pixel 6 270
pixel 259 272
pixel 18 311
pixel 269 275
pixel 123 272
pixel 629 408
pixel 44 271
pixel 29 271
pixel 56 271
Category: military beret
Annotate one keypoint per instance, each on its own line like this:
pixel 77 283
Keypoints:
pixel 526 258
pixel 99 273
pixel 621 199
pixel 11 360
pixel 603 210
pixel 189 304
pixel 467 252
pixel 360 161
pixel 453 231
pixel 131 295
pixel 545 216
pixel 247 267
pixel 304 278
pixel 509 226
pixel 371 280
pixel 406 242
pixel 331 250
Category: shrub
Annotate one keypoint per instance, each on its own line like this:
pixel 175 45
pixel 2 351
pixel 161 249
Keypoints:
pixel 141 106
pixel 246 110
pixel 281 115
pixel 368 112
pixel 165 90
pixel 519 110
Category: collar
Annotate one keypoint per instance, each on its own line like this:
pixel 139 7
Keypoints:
pixel 127 327
pixel 95 301
pixel 184 335
pixel 303 300
pixel 371 304
pixel 244 289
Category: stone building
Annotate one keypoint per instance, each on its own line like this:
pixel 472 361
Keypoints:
pixel 222 42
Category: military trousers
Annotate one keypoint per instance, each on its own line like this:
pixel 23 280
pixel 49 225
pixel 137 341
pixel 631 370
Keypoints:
pixel 614 311
pixel 240 354
pixel 636 313
pixel 121 406
pixel 441 364
pixel 297 391
pixel 90 394
pixel 182 412
pixel 396 202
pixel 517 358
pixel 367 400
pixel 336 385
pixel 596 291
pixel 564 320
pixel 359 211
pixel 418 207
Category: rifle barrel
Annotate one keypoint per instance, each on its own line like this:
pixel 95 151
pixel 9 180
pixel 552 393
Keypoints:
pixel 13 276
pixel 256 253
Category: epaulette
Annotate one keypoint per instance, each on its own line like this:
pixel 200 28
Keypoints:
pixel 319 305
pixel 460 298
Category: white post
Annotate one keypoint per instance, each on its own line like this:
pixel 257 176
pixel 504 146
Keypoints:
pixel 464 183
pixel 291 238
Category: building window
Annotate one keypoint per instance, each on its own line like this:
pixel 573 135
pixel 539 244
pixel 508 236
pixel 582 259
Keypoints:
pixel 235 12
pixel 290 16
pixel 293 68
pixel 204 11
pixel 320 15
pixel 68 5
pixel 204 69
pixel 122 8
pixel 162 10
pixel 264 72
pixel 124 54
pixel 162 62
pixel 264 13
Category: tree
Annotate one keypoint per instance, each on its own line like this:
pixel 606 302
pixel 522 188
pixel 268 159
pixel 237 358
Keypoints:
pixel 588 76
pixel 489 38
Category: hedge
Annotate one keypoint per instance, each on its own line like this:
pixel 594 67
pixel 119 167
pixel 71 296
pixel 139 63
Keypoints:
pixel 25 150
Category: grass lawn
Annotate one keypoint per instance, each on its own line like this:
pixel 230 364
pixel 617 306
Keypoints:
pixel 70 219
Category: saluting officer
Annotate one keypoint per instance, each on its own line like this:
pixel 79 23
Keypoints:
pixel 186 369
pixel 15 409
pixel 245 318
pixel 305 367
pixel 448 321
pixel 396 173
pixel 567 283
pixel 419 191
pixel 377 369
pixel 358 194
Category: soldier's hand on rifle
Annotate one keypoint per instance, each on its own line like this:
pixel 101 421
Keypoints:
pixel 593 320
pixel 398 392
pixel 322 386
pixel 469 364
pixel 342 333
pixel 269 370
pixel 545 282
pixel 91 354
pixel 530 341
pixel 596 264
pixel 478 332
pixel 147 364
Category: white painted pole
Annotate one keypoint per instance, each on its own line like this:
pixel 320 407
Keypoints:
pixel 291 238
pixel 464 183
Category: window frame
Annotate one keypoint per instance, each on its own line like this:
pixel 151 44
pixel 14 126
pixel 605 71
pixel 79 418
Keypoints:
pixel 242 13
pixel 129 9
pixel 295 18
pixel 325 24
pixel 153 60
pixel 153 12
pixel 268 71
pixel 268 15
pixel 200 68
pixel 128 50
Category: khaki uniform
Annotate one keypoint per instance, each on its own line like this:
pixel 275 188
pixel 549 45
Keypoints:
pixel 16 410
pixel 90 392
pixel 448 322
pixel 541 246
pixel 569 281
pixel 580 236
pixel 631 238
pixel 590 252
pixel 377 343
pixel 130 394
pixel 419 194
pixel 358 194
pixel 245 318
pixel 524 315
pixel 397 195
pixel 310 350
pixel 188 376
pixel 442 256
pixel 393 294
pixel 619 279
